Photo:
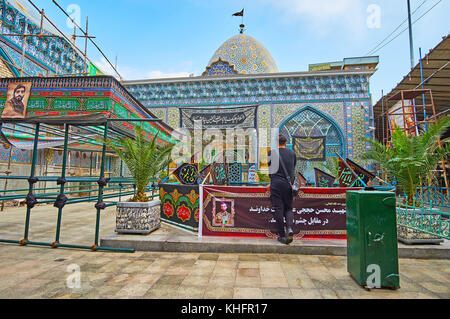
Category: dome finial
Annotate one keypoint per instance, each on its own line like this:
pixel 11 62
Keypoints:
pixel 242 26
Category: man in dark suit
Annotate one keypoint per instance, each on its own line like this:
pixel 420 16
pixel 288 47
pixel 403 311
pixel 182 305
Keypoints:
pixel 281 190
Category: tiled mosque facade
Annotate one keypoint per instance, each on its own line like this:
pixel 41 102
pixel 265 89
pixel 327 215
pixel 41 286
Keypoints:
pixel 335 104
pixel 241 77
pixel 44 56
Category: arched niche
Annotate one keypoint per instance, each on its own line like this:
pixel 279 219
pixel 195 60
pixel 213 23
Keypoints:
pixel 310 122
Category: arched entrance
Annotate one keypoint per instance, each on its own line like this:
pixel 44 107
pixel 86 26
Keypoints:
pixel 311 123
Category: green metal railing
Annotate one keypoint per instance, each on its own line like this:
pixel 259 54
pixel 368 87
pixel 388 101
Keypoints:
pixel 436 196
pixel 106 188
pixel 429 213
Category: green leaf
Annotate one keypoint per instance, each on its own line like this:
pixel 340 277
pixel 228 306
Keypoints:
pixel 411 159
pixel 145 160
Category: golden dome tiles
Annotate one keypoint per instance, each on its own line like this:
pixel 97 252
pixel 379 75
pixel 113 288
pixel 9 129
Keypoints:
pixel 247 55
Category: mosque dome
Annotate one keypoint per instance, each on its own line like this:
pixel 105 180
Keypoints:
pixel 241 54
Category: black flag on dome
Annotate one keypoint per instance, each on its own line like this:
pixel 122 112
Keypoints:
pixel 239 14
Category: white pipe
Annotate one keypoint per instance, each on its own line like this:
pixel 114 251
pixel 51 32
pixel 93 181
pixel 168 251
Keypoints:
pixel 200 212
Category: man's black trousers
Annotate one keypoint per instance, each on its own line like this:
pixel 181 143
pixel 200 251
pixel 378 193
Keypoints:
pixel 282 202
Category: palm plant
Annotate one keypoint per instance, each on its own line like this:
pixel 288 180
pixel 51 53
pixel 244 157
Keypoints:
pixel 201 165
pixel 145 160
pixel 412 159
pixel 263 178
pixel 333 166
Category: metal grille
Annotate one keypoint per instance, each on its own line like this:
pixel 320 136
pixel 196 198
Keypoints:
pixel 428 217
pixel 310 123
pixel 235 173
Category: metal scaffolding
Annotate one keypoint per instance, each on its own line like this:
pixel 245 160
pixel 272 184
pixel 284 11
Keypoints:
pixel 415 114
pixel 84 34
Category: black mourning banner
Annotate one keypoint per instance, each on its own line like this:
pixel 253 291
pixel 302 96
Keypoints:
pixel 323 179
pixel 347 177
pixel 239 14
pixel 302 180
pixel 364 174
pixel 219 173
pixel 187 174
pixel 219 118
pixel 310 148
pixel 179 204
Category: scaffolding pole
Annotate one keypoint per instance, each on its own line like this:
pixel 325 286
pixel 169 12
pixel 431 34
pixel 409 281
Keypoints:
pixel 82 53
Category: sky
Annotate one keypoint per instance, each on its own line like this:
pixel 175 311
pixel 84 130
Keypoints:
pixel 171 38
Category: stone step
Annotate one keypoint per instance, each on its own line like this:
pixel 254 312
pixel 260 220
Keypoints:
pixel 191 243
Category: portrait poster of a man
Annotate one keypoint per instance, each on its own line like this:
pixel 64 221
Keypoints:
pixel 223 213
pixel 17 100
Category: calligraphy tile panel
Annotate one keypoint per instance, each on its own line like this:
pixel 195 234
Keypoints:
pixel 219 118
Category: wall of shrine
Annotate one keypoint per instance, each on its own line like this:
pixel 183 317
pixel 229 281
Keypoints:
pixel 332 104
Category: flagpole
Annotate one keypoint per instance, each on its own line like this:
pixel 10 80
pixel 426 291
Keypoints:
pixel 240 14
pixel 200 207
pixel 383 181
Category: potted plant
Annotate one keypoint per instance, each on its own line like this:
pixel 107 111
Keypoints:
pixel 145 161
pixel 411 160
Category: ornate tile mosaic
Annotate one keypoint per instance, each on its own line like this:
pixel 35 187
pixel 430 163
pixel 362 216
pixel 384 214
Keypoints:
pixel 283 111
pixel 56 54
pixel 173 117
pixel 264 116
pixel 358 122
pixel 160 113
pixel 18 156
pixel 246 55
pixel 252 90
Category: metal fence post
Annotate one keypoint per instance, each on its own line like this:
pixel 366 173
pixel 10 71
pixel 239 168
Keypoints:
pixel 31 199
pixel 62 182
pixel 100 204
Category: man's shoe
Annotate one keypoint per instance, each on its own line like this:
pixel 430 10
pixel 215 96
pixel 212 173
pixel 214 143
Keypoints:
pixel 282 240
pixel 290 236
pixel 290 232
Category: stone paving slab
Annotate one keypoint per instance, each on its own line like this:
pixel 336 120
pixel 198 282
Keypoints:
pixel 170 240
pixel 41 273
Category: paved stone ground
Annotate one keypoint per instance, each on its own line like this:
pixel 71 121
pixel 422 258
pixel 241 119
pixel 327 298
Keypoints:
pixel 29 272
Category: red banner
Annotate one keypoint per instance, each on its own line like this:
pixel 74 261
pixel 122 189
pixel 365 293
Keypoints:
pixel 247 211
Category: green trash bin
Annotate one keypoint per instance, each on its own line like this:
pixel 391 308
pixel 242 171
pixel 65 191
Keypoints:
pixel 372 246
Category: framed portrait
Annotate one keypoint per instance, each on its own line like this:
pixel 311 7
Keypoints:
pixel 223 212
pixel 17 100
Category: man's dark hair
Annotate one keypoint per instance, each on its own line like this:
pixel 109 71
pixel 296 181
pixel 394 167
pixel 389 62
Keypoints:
pixel 19 87
pixel 282 140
